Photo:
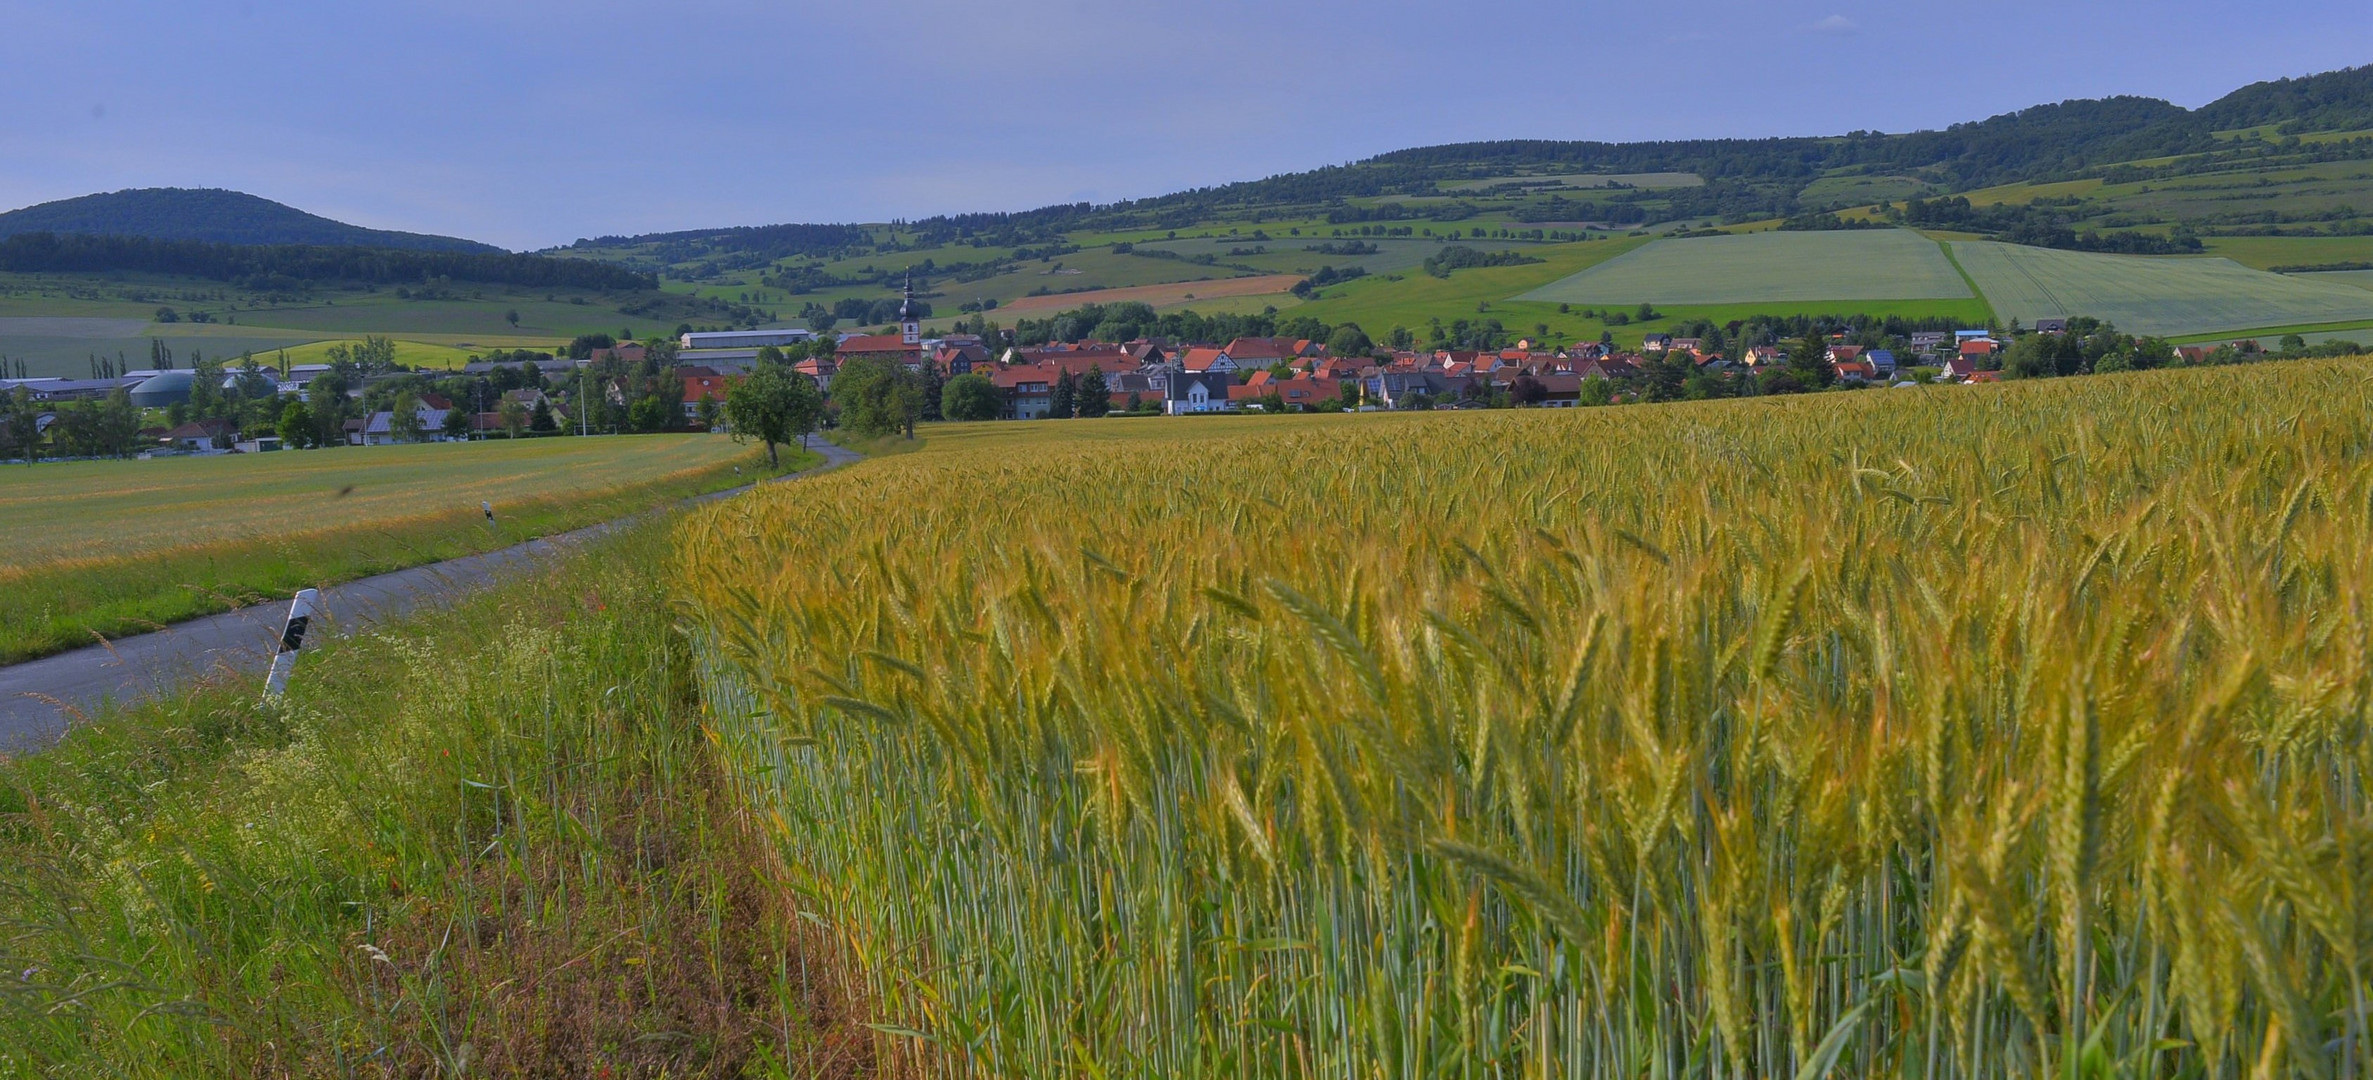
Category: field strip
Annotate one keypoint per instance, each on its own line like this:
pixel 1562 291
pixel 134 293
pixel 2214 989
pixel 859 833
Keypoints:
pixel 1767 267
pixel 1160 295
pixel 2157 295
pixel 1974 291
pixel 37 695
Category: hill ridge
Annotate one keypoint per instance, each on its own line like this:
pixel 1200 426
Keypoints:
pixel 214 215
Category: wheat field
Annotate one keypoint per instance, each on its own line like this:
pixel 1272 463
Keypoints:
pixel 1965 732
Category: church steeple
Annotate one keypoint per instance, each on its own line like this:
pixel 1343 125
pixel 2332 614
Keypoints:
pixel 910 328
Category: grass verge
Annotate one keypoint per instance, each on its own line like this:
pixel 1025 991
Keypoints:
pixel 46 610
pixel 488 840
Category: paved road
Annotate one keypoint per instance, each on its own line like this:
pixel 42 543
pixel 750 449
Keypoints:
pixel 39 698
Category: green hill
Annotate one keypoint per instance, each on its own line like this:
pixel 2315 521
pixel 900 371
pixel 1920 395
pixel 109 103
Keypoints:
pixel 213 215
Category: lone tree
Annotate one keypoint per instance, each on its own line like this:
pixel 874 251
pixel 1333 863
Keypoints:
pixel 970 397
pixel 774 405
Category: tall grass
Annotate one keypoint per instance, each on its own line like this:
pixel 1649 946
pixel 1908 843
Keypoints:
pixel 1961 733
pixel 483 841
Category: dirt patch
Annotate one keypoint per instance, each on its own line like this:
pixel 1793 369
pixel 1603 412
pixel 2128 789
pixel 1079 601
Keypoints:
pixel 1160 295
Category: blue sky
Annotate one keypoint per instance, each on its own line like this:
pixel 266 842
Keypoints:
pixel 532 123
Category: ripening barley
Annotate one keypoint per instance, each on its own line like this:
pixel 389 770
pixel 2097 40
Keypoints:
pixel 1959 733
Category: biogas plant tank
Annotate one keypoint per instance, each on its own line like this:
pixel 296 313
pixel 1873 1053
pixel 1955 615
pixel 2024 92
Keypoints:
pixel 163 389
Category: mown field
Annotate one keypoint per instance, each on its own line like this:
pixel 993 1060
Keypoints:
pixel 2022 732
pixel 1867 264
pixel 2153 295
pixel 93 549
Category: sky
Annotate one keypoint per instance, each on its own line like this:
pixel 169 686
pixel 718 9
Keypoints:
pixel 530 123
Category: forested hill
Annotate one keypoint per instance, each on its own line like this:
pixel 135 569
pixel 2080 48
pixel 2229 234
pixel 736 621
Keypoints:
pixel 1744 179
pixel 216 216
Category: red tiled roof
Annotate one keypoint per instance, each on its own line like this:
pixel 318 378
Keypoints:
pixel 1202 359
pixel 868 344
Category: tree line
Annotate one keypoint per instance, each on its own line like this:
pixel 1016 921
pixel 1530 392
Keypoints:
pixel 263 265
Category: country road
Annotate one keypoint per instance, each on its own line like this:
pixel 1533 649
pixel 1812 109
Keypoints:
pixel 40 698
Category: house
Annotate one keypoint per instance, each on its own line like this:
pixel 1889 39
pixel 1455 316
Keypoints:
pixel 1764 357
pixel 1143 386
pixel 891 347
pixel 1211 361
pixel 380 430
pixel 1558 391
pixel 1193 391
pixel 1656 342
pixel 1029 390
pixel 1262 352
pixel 1853 370
pixel 1687 344
pixel 1610 367
pixel 819 368
pixel 629 352
pixel 1928 340
pixel 202 436
pixel 959 358
pixel 1837 353
pixel 1881 361
pixel 1299 393
pixel 1958 368
pixel 2051 326
pixel 703 384
pixel 1976 347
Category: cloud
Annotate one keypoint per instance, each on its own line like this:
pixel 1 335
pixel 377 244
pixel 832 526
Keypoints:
pixel 1835 24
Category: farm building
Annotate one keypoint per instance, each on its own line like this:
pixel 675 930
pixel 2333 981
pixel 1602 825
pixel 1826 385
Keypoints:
pixel 163 390
pixel 744 339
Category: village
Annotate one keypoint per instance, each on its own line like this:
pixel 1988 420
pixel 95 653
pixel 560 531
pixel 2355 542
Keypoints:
pixel 605 385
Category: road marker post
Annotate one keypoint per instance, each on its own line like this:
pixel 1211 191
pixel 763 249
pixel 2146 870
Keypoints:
pixel 292 637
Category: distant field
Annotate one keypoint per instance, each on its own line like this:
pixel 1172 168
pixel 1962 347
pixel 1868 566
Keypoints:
pixel 114 547
pixel 63 346
pixel 1867 264
pixel 2362 279
pixel 2145 295
pixel 1289 254
pixel 2267 252
pixel 1159 295
pixel 409 353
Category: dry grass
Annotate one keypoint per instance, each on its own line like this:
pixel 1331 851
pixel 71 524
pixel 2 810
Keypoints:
pixel 1957 733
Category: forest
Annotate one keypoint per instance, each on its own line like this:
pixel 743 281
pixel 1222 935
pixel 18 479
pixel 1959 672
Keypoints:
pixel 280 266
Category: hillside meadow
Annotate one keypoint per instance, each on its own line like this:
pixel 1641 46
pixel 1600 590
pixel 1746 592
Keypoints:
pixel 93 549
pixel 1958 732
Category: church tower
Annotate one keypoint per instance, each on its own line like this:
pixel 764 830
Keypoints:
pixel 910 328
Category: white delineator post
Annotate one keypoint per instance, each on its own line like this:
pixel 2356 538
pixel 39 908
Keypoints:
pixel 292 637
